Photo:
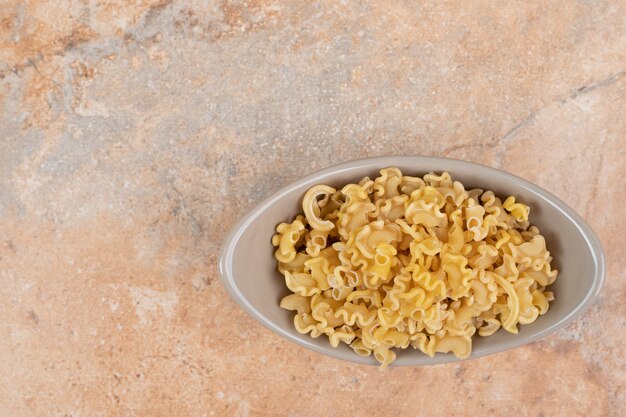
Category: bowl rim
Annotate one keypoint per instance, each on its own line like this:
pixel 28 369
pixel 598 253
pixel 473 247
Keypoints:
pixel 225 260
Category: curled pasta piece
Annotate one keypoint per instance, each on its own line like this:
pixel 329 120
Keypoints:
pixel 288 237
pixel 509 323
pixel 423 208
pixel 528 311
pixel 455 194
pixel 386 186
pixel 474 194
pixel 490 328
pixel 360 349
pixel 390 208
pixel 343 334
pixel 424 343
pixel 517 210
pixel 296 265
pixel 459 345
pixel 540 301
pixel 323 310
pixel 297 303
pixel 485 257
pixel 508 269
pixel 384 260
pixel 434 180
pixel 319 269
pixel 410 184
pixel 312 210
pixel 456 240
pixel 356 314
pixel 374 234
pixel 531 253
pixel 458 275
pixel 316 241
pixel 305 323
pixel 369 296
pixel 384 355
pixel 354 217
pixel 302 283
pixel 340 294
pixel 391 338
pixel 480 298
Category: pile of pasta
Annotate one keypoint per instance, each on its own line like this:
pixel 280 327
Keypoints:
pixel 401 261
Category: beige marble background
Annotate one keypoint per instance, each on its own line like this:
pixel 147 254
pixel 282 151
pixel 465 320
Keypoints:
pixel 132 137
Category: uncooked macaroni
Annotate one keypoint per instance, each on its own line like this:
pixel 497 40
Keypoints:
pixel 402 261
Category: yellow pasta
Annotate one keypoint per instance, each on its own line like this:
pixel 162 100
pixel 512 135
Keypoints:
pixel 399 261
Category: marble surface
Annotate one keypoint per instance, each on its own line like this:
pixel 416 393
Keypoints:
pixel 132 137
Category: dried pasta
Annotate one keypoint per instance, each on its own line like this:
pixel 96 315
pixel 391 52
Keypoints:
pixel 402 261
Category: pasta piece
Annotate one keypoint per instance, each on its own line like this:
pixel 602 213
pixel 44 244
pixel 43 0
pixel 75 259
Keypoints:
pixel 344 334
pixel 390 208
pixel 302 283
pixel 288 237
pixel 296 265
pixel 312 210
pixel 316 240
pixel 512 316
pixel 384 260
pixel 386 186
pixel 517 210
pixel 459 345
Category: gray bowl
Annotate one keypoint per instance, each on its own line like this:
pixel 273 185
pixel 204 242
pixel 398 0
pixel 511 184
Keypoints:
pixel 248 268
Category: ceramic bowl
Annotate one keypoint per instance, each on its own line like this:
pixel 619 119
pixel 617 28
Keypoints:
pixel 248 268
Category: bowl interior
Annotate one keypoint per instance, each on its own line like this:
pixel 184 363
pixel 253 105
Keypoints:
pixel 248 266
